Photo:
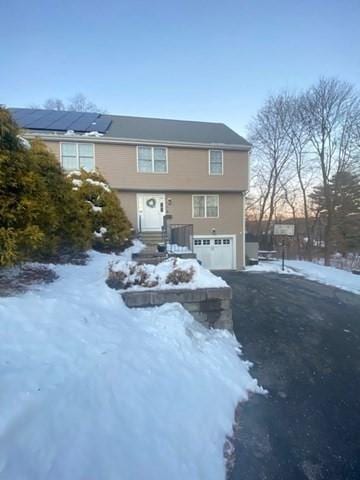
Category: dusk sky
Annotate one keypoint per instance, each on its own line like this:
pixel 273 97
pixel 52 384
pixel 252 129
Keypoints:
pixel 199 60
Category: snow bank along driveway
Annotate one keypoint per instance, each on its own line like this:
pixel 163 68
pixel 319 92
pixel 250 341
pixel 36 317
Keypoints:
pixel 91 390
pixel 318 273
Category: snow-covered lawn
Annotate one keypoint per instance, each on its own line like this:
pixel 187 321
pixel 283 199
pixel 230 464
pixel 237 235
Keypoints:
pixel 313 271
pixel 91 390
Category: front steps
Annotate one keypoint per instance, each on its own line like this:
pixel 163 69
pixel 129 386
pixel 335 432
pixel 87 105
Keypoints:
pixel 149 255
pixel 152 238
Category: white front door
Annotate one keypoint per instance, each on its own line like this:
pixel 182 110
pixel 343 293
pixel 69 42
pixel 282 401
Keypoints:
pixel 215 253
pixel 151 210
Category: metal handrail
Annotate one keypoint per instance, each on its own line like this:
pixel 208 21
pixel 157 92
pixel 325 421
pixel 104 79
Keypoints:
pixel 181 234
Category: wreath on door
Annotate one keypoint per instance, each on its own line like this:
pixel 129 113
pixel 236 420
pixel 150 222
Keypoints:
pixel 151 202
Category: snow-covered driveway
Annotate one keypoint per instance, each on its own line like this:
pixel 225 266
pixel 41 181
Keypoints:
pixel 304 339
pixel 93 391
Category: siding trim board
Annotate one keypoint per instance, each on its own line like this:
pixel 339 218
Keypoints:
pixel 126 141
pixel 176 190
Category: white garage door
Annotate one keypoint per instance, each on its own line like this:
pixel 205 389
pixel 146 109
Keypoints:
pixel 215 253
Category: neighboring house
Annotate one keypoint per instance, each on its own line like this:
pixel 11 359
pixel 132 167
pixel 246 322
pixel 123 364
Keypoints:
pixel 195 173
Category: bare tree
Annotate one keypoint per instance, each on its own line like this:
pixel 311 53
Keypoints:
pixel 269 134
pixel 330 114
pixel 54 104
pixel 302 162
pixel 78 103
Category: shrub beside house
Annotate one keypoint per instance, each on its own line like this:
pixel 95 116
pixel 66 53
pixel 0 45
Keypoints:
pixel 42 215
pixel 111 230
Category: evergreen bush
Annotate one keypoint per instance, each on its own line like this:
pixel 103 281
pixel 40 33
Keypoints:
pixel 110 226
pixel 40 214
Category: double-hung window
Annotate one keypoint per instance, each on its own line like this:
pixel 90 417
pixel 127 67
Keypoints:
pixel 216 162
pixel 205 206
pixel 75 156
pixel 152 159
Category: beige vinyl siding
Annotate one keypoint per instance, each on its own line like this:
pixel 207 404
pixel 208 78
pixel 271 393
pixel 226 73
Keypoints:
pixel 230 220
pixel 188 174
pixel 188 169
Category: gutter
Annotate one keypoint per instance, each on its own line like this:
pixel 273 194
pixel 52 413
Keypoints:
pixel 178 190
pixel 133 141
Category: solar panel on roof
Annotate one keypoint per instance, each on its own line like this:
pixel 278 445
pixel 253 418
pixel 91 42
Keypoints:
pixel 21 116
pixel 82 123
pixel 64 122
pixel 47 119
pixel 99 125
pixel 33 117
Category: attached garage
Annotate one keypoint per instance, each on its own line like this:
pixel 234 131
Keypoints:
pixel 216 252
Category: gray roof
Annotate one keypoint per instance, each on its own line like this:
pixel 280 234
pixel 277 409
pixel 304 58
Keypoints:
pixel 172 130
pixel 139 128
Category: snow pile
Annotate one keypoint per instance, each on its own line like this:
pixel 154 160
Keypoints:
pixel 94 133
pixel 24 142
pixel 98 184
pixel 327 275
pixel 94 208
pixel 77 182
pixel 270 267
pixel 101 232
pixel 175 248
pixel 157 276
pixel 93 390
pixel 313 271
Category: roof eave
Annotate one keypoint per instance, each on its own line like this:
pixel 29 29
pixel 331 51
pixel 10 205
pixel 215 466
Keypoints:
pixel 133 141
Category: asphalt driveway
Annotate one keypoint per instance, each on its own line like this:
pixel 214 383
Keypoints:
pixel 304 340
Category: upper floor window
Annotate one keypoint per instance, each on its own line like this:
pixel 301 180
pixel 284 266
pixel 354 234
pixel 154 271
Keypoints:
pixel 75 156
pixel 216 162
pixel 152 159
pixel 205 206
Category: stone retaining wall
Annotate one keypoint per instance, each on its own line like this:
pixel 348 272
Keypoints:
pixel 210 306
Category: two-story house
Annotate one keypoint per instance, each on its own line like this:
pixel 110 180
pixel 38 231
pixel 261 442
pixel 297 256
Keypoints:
pixel 194 172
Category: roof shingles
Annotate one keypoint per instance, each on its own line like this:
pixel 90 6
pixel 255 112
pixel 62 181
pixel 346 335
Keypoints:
pixel 157 129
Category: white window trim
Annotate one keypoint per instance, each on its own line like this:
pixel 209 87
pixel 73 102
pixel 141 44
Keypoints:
pixel 152 159
pixel 77 153
pixel 205 195
pixel 222 162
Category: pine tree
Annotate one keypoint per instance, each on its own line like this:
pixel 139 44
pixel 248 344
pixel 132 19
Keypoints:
pixel 41 216
pixel 347 211
pixel 22 197
pixel 345 202
pixel 70 229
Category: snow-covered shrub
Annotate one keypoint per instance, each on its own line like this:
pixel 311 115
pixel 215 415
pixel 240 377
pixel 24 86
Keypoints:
pixel 117 280
pixel 180 276
pixel 130 275
pixel 171 273
pixel 110 226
